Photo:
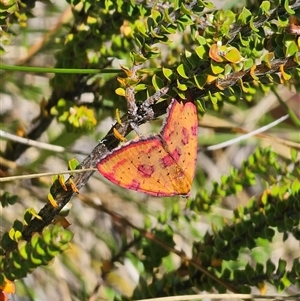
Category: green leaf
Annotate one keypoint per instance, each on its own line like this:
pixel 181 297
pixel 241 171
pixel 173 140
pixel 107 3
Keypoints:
pixel 182 71
pixel 270 267
pixel 295 187
pixel 213 98
pixel 291 48
pixel 208 4
pixel 199 81
pixel 185 20
pixel 233 55
pixel 265 7
pixel 35 259
pixel 7 199
pixel 156 16
pixel 180 93
pixel 73 163
pixel 220 243
pixel 294 155
pixel 201 105
pixel 202 52
pixel 34 240
pixel 216 68
pixel 181 87
pixel 244 41
pixel 170 29
pixel 167 73
pixel 138 57
pixel 281 267
pixel 249 271
pixel 185 10
pixel 157 82
pixel 140 87
pixel 288 8
pixel 167 17
pixel 23 250
pixel 253 27
pixel 244 16
pixel 6 241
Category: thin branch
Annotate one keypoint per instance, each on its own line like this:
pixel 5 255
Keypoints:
pixel 248 135
pixel 224 296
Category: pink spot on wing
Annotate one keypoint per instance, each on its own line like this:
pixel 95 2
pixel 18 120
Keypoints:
pixel 145 170
pixel 149 150
pixel 168 134
pixel 185 139
pixel 117 165
pixel 166 161
pixel 194 130
pixel 176 154
pixel 135 185
pixel 169 159
pixel 110 176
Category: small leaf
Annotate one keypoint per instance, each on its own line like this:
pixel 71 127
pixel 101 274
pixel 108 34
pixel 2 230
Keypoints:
pixel 281 267
pixel 210 78
pixel 51 201
pixel 200 81
pixel 214 53
pixel 213 98
pixel 294 154
pixel 167 73
pixel 180 86
pixel 8 287
pixel 7 199
pixel 120 91
pixel 11 234
pixel 34 213
pixel 34 240
pixel 35 259
pixel 244 16
pixel 182 70
pixel 248 63
pixel 157 82
pixel 216 68
pixel 295 187
pixel 61 180
pixel 17 236
pixel 142 31
pixel 170 29
pixel 185 10
pixel 73 163
pixel 243 86
pixel 292 48
pixel 265 7
pixel 179 92
pixel 140 87
pixel 22 247
pixel 167 17
pixel 267 58
pixel 156 16
pixel 253 27
pixel 138 58
pixel 156 35
pixel 262 288
pixel 201 105
pixel 233 55
pixel 245 42
pixel 288 8
pixel 285 75
pixel 201 52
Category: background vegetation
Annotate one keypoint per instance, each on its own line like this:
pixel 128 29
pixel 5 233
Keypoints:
pixel 238 232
